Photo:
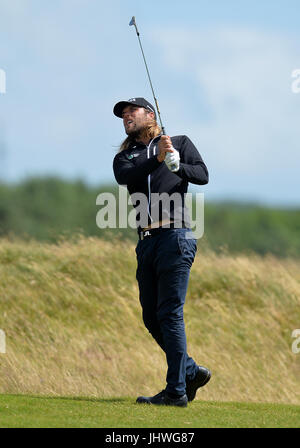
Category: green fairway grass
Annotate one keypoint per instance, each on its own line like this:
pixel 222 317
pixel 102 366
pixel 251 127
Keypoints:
pixel 22 411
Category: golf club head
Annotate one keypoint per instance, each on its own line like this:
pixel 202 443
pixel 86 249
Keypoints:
pixel 132 21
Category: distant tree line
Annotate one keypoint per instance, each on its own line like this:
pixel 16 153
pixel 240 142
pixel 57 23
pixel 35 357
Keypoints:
pixel 48 208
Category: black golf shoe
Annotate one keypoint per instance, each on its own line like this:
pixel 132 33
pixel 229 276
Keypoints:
pixel 202 377
pixel 162 398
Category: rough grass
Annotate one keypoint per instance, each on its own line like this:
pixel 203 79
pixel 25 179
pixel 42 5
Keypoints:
pixel 73 323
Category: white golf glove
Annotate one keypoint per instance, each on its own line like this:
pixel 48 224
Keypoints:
pixel 172 160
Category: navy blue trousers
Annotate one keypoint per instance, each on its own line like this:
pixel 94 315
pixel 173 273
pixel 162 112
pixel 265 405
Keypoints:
pixel 163 267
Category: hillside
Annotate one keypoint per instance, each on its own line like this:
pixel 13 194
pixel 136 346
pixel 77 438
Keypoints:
pixel 73 326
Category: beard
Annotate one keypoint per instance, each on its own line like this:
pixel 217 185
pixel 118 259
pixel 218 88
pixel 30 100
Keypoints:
pixel 136 133
pixel 142 130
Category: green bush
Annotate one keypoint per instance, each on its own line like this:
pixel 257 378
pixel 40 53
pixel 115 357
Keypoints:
pixel 46 208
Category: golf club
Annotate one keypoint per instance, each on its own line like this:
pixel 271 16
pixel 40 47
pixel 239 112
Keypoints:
pixel 133 22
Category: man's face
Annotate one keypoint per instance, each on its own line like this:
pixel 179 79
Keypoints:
pixel 135 119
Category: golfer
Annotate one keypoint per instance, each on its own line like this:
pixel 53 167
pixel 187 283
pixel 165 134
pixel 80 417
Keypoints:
pixel 155 168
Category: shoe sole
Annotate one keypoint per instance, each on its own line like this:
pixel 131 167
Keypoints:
pixel 191 397
pixel 148 402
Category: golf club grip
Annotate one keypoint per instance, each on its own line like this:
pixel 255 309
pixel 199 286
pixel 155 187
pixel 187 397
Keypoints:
pixel 133 22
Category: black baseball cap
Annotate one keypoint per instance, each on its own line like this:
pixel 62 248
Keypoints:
pixel 140 102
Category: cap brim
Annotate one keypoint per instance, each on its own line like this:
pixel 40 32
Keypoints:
pixel 118 109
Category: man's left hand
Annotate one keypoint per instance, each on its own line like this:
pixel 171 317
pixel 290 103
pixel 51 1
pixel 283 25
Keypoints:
pixel 172 160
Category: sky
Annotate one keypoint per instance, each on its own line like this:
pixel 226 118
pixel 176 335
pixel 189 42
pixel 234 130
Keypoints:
pixel 222 73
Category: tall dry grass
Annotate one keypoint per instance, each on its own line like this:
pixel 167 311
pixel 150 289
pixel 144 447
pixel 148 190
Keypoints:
pixel 73 323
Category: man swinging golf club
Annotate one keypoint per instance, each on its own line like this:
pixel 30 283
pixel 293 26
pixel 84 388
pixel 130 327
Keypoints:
pixel 148 163
pixel 151 163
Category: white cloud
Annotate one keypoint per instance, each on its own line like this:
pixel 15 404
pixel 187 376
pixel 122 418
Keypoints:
pixel 228 89
pixel 242 79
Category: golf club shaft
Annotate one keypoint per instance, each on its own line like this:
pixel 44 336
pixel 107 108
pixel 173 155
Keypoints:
pixel 133 22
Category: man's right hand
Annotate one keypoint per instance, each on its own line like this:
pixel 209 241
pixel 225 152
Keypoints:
pixel 164 146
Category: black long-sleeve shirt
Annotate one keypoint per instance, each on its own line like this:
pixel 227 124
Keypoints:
pixel 138 168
